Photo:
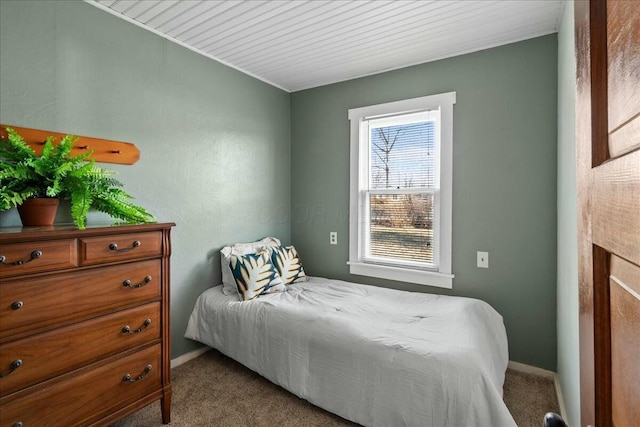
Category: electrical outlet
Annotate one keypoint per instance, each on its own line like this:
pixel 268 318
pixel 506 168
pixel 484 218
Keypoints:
pixel 333 237
pixel 483 259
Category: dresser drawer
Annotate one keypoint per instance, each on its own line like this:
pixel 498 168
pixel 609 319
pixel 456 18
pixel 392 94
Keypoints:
pixel 48 301
pixel 52 353
pixel 83 396
pixel 96 250
pixel 33 257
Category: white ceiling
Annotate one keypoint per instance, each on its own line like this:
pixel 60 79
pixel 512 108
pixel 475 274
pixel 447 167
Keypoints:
pixel 298 44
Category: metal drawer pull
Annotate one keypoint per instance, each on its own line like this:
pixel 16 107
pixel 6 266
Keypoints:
pixel 18 424
pixel 145 325
pixel 114 246
pixel 12 367
pixel 17 305
pixel 127 378
pixel 34 255
pixel 127 283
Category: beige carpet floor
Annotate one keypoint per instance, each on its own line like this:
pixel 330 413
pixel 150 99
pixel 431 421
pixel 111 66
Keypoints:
pixel 214 390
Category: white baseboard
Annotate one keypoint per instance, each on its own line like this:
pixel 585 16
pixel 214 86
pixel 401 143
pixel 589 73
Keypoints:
pixel 189 356
pixel 528 369
pixel 563 410
pixel 534 370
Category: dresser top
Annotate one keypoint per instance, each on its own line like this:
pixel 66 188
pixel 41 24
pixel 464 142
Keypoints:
pixel 57 231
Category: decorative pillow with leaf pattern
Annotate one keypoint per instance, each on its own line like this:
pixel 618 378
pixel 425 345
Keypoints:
pixel 230 287
pixel 288 264
pixel 255 275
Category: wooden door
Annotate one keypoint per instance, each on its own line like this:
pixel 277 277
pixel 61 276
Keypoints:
pixel 608 169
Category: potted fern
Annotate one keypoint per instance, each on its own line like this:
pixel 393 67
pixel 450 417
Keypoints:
pixel 27 179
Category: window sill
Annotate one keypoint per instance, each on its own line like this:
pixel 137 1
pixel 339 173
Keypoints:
pixel 421 277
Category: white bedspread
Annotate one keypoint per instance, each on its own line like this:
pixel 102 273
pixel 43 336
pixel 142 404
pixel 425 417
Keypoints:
pixel 375 356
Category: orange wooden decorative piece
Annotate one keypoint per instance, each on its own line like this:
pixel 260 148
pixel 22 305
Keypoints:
pixel 104 150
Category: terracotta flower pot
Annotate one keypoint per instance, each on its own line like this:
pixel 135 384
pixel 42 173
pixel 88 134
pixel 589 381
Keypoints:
pixel 38 211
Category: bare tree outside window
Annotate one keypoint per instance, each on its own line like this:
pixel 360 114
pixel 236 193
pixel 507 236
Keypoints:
pixel 402 223
pixel 383 151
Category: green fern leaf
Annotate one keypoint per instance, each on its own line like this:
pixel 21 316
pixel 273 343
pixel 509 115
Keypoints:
pixel 15 148
pixel 80 203
pixel 48 147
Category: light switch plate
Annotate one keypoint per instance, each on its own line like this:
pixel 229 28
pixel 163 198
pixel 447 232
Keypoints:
pixel 483 259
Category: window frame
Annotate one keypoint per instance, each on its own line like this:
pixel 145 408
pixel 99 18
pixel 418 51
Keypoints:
pixel 440 275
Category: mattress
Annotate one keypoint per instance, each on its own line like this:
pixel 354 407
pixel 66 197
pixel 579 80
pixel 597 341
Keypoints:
pixel 375 356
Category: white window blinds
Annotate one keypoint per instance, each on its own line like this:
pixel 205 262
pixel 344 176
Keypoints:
pixel 398 199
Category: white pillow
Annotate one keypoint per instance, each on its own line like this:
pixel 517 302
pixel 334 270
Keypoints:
pixel 229 283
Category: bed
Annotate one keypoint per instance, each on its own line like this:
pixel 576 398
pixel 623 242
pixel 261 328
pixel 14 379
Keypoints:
pixel 375 356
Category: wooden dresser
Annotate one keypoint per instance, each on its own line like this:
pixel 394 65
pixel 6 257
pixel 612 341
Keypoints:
pixel 84 324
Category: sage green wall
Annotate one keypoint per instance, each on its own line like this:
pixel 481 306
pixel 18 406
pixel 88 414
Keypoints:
pixel 504 180
pixel 568 331
pixel 215 143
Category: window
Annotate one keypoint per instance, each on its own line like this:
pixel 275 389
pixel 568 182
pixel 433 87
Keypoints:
pixel 400 196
